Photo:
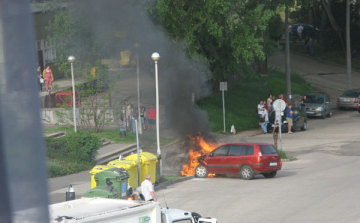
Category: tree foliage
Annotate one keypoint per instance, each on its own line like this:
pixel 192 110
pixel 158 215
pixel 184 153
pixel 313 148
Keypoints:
pixel 226 32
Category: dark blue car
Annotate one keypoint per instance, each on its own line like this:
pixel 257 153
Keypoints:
pixel 308 30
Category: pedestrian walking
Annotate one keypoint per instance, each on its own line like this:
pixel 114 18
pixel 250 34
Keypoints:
pixel 265 121
pixel 152 118
pixel 48 77
pixel 147 189
pixel 129 116
pixel 309 47
pixel 289 116
pixel 39 75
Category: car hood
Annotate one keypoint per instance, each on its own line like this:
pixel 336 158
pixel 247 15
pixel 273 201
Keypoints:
pixel 314 105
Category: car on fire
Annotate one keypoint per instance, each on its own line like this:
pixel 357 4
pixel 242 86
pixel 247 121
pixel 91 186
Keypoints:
pixel 248 159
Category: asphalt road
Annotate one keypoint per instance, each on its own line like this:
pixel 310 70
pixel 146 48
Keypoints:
pixel 321 186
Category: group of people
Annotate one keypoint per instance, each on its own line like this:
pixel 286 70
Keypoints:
pixel 129 117
pixel 46 77
pixel 308 39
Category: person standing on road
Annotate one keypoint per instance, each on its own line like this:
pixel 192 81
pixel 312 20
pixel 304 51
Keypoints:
pixel 289 116
pixel 268 103
pixel 152 118
pixel 143 116
pixel 303 105
pixel 276 133
pixel 309 46
pixel 265 118
pixel 41 79
pixel 48 78
pixel 147 189
pixel 260 109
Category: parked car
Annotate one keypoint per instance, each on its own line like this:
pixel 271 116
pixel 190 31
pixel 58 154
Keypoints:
pixel 349 99
pixel 358 107
pixel 299 121
pixel 308 30
pixel 248 159
pixel 318 104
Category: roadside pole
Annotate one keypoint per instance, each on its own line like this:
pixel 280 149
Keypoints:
pixel 223 88
pixel 138 151
pixel 279 106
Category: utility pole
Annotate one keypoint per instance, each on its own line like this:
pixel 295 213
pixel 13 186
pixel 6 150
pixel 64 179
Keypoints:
pixel 287 54
pixel 348 49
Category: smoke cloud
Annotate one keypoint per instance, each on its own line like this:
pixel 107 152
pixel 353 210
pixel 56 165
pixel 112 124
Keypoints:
pixel 119 25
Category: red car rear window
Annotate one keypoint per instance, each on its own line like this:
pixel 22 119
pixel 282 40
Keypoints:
pixel 267 149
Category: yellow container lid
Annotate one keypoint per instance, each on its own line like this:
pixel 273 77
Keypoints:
pixel 98 168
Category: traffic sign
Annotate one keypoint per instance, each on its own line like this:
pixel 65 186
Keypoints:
pixel 279 105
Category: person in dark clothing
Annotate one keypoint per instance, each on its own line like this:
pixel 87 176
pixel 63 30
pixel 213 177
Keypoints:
pixel 303 104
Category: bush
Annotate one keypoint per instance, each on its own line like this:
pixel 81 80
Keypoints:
pixel 60 168
pixel 77 147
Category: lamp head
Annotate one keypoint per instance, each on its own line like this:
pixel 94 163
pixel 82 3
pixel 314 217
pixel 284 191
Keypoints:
pixel 155 56
pixel 71 59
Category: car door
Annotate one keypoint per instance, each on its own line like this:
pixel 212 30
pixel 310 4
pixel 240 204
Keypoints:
pixel 216 160
pixel 238 155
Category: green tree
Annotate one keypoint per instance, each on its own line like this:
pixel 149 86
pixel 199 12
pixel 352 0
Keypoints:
pixel 226 32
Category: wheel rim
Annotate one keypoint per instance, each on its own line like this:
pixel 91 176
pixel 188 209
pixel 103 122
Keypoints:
pixel 201 171
pixel 246 173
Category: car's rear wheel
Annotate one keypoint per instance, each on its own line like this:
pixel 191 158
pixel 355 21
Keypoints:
pixel 303 128
pixel 201 171
pixel 270 175
pixel 247 173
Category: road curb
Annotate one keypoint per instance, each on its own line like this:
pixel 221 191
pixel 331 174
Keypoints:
pixel 163 185
pixel 289 160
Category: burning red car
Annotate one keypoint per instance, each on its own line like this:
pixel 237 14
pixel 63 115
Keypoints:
pixel 248 159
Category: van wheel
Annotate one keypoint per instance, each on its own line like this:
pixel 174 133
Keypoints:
pixel 270 175
pixel 201 171
pixel 247 172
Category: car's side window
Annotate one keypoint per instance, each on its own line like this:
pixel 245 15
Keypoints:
pixel 221 151
pixel 241 150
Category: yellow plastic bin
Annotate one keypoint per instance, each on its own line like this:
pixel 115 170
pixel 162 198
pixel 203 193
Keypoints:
pixel 147 164
pixel 97 169
pixel 125 58
pixel 130 166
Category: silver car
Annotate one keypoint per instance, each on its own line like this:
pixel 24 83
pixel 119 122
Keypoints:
pixel 318 104
pixel 349 99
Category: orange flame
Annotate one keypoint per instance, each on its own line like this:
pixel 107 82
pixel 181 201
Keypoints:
pixel 206 148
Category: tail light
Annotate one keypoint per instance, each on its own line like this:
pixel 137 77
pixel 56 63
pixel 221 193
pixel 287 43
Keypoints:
pixel 280 163
pixel 356 101
pixel 338 99
pixel 260 155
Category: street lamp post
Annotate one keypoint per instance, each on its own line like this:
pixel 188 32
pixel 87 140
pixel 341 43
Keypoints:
pixel 156 56
pixel 71 59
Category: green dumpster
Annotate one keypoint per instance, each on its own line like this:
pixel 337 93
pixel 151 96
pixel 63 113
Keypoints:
pixel 116 177
pixel 97 169
pixel 102 191
pixel 130 166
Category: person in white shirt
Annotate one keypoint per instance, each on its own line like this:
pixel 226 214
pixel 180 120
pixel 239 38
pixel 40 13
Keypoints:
pixel 299 31
pixel 265 123
pixel 261 110
pixel 147 189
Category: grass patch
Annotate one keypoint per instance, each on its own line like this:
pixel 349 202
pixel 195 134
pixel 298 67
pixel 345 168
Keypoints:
pixel 283 154
pixel 336 56
pixel 58 168
pixel 242 100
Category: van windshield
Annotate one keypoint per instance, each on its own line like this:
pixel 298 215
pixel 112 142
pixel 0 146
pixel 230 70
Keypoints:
pixel 267 149
pixel 318 99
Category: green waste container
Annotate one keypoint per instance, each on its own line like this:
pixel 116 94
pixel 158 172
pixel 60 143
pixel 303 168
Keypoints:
pixel 97 169
pixel 131 166
pixel 147 165
pixel 116 177
pixel 102 191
